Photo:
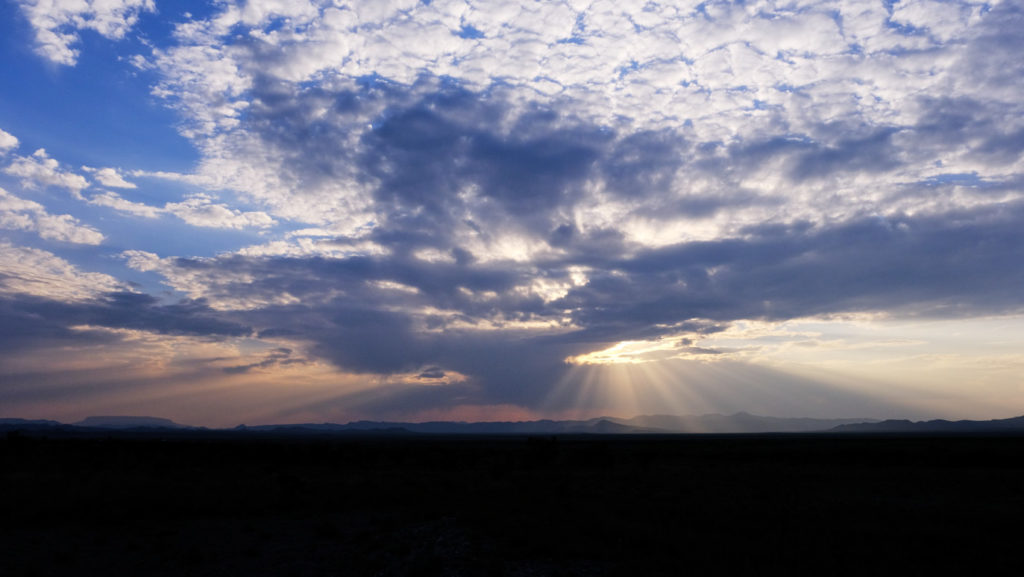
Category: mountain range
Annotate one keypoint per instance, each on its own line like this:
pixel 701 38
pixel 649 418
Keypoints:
pixel 645 424
pixel 1015 424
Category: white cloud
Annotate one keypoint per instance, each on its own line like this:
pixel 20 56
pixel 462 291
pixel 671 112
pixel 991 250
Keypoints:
pixel 185 281
pixel 315 247
pixel 142 260
pixel 40 273
pixel 7 142
pixel 20 214
pixel 196 210
pixel 260 172
pixel 109 177
pixel 39 170
pixel 197 282
pixel 944 20
pixel 200 210
pixel 66 228
pixel 57 23
pixel 116 202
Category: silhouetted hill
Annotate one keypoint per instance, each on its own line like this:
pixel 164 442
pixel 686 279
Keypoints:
pixel 545 427
pixel 28 423
pixel 645 424
pixel 129 422
pixel 736 423
pixel 1015 424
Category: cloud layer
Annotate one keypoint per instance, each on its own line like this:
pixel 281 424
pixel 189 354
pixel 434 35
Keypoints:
pixel 486 189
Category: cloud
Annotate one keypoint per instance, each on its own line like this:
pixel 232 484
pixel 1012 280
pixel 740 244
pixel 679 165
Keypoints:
pixel 7 142
pixel 20 214
pixel 197 210
pixel 942 21
pixel 39 170
pixel 488 188
pixel 275 358
pixel 333 108
pixel 431 373
pixel 44 295
pixel 709 134
pixel 531 228
pixel 642 61
pixel 46 302
pixel 116 202
pixel 136 311
pixel 57 23
pixel 953 264
pixel 111 321
pixel 109 177
pixel 495 324
pixel 38 273
pixel 200 210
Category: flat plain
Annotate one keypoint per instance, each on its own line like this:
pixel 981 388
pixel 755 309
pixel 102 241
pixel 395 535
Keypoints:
pixel 585 505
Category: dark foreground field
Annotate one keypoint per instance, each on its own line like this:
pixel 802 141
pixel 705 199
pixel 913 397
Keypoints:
pixel 512 506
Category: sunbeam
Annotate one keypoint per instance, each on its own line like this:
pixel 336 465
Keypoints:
pixel 626 384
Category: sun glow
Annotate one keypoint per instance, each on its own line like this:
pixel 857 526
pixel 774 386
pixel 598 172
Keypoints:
pixel 619 388
pixel 836 366
pixel 677 346
pixel 628 352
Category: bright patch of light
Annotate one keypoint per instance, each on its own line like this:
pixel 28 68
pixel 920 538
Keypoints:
pixel 434 256
pixel 395 286
pixel 547 289
pixel 428 376
pixel 630 352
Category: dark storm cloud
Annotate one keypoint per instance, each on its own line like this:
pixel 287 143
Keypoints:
pixel 426 154
pixel 502 366
pixel 992 58
pixel 704 205
pixel 990 133
pixel 866 154
pixel 439 156
pixel 964 263
pixel 143 312
pixel 432 373
pixel 433 142
pixel 825 150
pixel 31 321
pixel 313 280
pixel 645 162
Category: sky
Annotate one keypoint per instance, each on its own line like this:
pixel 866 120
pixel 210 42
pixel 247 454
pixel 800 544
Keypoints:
pixel 275 211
